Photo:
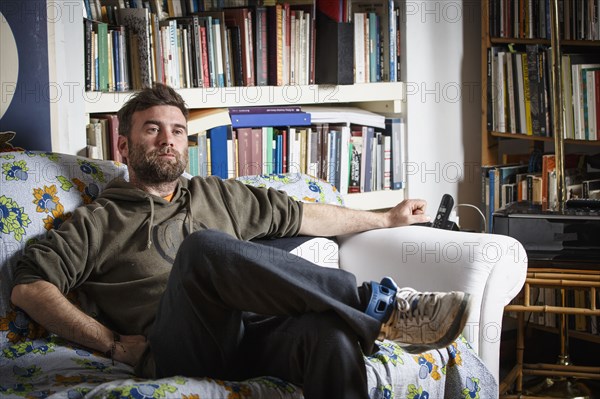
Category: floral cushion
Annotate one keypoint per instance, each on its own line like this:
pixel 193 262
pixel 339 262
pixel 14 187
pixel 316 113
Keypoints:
pixel 299 186
pixel 38 192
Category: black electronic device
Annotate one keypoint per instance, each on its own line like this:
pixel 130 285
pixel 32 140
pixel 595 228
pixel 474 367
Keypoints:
pixel 443 213
pixel 571 234
pixel 583 203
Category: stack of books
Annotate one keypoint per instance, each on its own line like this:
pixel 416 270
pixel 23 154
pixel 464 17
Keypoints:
pixel 355 150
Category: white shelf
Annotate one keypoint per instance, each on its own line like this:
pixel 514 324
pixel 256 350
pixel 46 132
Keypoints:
pixel 384 97
pixel 374 199
pixel 379 97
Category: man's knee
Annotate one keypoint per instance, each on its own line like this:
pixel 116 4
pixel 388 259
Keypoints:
pixel 198 251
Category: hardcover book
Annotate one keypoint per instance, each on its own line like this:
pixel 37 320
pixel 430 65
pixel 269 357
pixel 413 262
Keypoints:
pixel 270 119
pixel 137 22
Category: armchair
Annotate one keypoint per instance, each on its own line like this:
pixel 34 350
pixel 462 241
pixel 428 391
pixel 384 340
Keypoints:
pixel 39 190
pixel 490 267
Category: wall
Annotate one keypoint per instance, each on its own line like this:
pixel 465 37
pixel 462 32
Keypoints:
pixel 444 103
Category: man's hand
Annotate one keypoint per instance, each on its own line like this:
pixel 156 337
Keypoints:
pixel 48 306
pixel 130 348
pixel 408 212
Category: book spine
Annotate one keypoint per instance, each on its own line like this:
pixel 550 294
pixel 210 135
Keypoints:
pixel 264 109
pixel 103 56
pixel 205 58
pixel 527 96
pixel 261 48
pixel 218 46
pixel 197 58
pixel 87 27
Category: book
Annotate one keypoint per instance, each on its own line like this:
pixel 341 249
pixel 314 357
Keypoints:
pixel 218 151
pixel 334 44
pixel 112 135
pixel 355 150
pixel 344 160
pixel 101 30
pixel 96 140
pixel 261 49
pixel 242 19
pixel 275 28
pixel 204 167
pixel 505 175
pixel 359 48
pixel 366 166
pixel 348 115
pixel 137 22
pixel 267 150
pixel 267 109
pixel 205 119
pixel 538 124
pixel 485 193
pixel 271 119
pixel 571 162
pixel 192 167
pixel 395 128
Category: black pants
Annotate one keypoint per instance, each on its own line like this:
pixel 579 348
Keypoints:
pixel 235 310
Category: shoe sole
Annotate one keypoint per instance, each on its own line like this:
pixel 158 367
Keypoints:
pixel 451 335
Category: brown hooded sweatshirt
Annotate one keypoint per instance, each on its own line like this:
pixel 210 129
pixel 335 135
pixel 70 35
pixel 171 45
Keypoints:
pixel 118 251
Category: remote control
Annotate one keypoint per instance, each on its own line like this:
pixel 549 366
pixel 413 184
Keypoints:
pixel 443 213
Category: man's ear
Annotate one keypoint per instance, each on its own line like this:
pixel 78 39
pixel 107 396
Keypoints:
pixel 123 147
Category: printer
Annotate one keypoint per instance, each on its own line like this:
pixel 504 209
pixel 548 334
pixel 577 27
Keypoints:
pixel 573 234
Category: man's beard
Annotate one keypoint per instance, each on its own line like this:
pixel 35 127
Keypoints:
pixel 151 168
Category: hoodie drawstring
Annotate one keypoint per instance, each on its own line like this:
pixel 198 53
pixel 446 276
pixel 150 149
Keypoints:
pixel 150 222
pixel 190 215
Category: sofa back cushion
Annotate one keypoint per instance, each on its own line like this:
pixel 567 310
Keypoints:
pixel 38 192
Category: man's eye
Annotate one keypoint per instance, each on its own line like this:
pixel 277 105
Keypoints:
pixel 153 129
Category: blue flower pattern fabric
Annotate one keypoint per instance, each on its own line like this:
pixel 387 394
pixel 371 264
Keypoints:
pixel 39 191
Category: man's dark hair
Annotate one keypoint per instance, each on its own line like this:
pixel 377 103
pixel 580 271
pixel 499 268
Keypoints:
pixel 158 94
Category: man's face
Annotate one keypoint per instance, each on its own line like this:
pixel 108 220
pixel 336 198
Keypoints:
pixel 157 147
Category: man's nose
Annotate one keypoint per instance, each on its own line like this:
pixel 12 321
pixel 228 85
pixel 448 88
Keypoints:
pixel 166 138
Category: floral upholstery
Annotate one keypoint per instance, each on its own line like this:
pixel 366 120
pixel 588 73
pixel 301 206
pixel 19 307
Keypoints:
pixel 38 192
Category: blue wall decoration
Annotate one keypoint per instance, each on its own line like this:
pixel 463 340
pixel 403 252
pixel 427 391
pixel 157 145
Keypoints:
pixel 26 101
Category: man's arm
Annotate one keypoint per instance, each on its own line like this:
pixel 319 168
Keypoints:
pixel 44 303
pixel 331 220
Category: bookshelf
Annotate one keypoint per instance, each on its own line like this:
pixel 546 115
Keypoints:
pixel 381 97
pixel 494 36
pixel 523 47
pixel 518 112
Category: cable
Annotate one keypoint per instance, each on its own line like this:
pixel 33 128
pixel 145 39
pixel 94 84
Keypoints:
pixel 478 210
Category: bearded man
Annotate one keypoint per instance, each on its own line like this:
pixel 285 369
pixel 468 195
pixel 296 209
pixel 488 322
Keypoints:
pixel 170 282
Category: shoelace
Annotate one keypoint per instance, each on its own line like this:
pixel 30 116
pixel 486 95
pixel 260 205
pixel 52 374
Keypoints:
pixel 425 302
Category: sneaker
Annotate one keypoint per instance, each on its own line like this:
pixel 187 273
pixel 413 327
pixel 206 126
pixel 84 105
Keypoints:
pixel 426 320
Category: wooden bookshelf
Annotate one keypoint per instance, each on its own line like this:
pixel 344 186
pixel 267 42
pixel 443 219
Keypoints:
pixel 511 38
pixel 491 151
pixel 519 136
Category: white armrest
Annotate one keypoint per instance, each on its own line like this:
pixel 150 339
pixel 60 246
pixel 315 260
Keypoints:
pixel 490 267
